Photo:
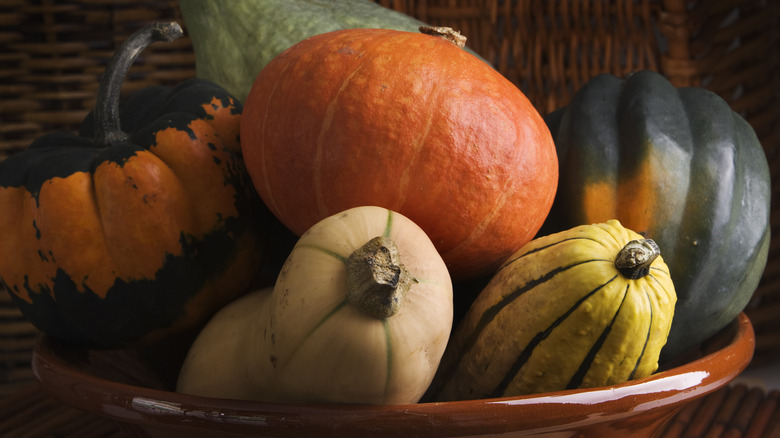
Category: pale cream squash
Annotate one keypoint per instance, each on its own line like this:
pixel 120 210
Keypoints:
pixel 360 313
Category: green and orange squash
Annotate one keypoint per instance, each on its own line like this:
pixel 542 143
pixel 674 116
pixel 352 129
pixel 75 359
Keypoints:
pixel 141 226
pixel 681 167
pixel 590 306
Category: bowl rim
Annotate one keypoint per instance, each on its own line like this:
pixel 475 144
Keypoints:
pixel 670 388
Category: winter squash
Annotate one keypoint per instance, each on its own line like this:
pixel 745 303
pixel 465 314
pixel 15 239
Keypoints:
pixel 590 306
pixel 360 313
pixel 407 121
pixel 140 227
pixel 680 167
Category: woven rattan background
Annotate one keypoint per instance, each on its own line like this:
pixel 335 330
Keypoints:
pixel 52 53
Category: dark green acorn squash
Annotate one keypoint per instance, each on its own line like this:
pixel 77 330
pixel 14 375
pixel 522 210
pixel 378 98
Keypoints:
pixel 680 167
pixel 142 226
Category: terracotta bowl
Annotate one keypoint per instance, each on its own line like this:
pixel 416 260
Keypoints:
pixel 130 387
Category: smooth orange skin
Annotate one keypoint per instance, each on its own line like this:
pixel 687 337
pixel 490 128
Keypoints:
pixel 405 121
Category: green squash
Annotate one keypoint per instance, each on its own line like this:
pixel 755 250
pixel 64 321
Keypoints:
pixel 142 226
pixel 682 168
pixel 586 307
pixel 233 40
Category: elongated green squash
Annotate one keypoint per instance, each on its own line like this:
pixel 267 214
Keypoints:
pixel 233 40
pixel 590 306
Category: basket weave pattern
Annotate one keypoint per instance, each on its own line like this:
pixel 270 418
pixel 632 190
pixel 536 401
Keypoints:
pixel 52 54
pixel 550 48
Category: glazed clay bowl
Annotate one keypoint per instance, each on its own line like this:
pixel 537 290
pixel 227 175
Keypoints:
pixel 129 387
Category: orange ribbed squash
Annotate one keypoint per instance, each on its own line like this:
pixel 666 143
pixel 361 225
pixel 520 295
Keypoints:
pixel 409 122
pixel 142 226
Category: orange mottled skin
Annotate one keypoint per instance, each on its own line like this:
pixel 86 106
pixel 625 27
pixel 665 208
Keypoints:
pixel 118 223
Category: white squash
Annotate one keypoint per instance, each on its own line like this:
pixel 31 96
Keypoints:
pixel 361 313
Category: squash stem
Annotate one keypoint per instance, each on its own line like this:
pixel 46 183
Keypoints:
pixel 634 260
pixel 447 33
pixel 107 124
pixel 376 279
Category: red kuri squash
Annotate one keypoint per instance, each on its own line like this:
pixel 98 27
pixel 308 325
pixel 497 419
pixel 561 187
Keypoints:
pixel 409 122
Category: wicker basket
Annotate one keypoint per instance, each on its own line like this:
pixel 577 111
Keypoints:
pixel 17 338
pixel 53 52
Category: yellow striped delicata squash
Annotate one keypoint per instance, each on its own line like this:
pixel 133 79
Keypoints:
pixel 586 307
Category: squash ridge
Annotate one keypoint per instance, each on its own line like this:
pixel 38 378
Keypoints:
pixel 541 248
pixel 319 324
pixel 577 378
pixel 389 224
pixel 483 224
pixel 268 193
pixel 491 312
pixel 324 251
pixel 327 121
pixel 523 357
pixel 647 335
pixel 419 143
pixel 389 349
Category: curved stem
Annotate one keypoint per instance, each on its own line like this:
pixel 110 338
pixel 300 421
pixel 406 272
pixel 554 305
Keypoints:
pixel 634 260
pixel 447 33
pixel 108 130
pixel 376 279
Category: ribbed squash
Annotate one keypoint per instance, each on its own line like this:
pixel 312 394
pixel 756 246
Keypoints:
pixel 140 227
pixel 680 167
pixel 590 306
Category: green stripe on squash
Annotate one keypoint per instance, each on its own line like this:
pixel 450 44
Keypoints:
pixel 386 324
pixel 523 357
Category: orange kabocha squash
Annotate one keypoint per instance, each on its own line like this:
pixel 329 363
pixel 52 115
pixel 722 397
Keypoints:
pixel 406 121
